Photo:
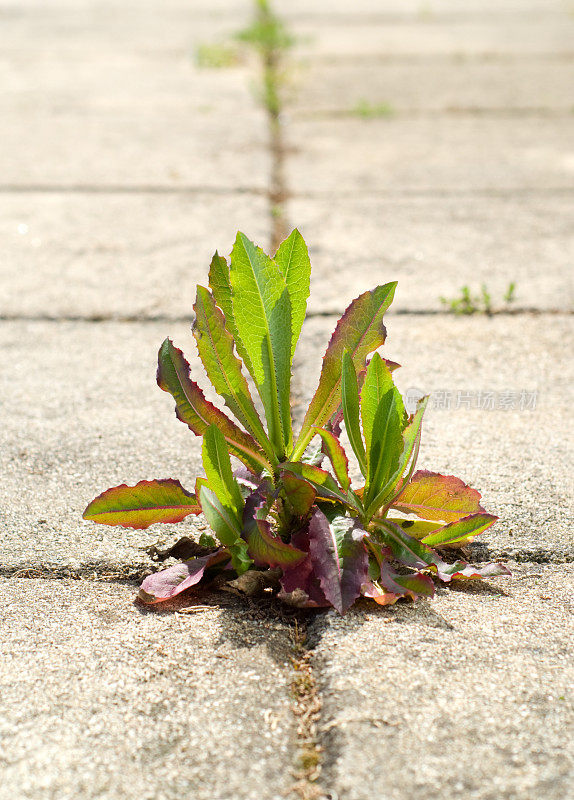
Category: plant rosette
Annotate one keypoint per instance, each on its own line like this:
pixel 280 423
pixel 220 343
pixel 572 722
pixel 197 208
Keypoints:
pixel 289 507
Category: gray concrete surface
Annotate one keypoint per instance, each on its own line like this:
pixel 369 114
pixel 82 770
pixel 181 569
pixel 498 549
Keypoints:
pixel 101 698
pixel 416 87
pixel 520 460
pixel 138 110
pixel 515 36
pixel 103 421
pixel 435 245
pixel 74 254
pixel 83 413
pixel 469 695
pixel 123 166
pixel 400 9
pixel 431 155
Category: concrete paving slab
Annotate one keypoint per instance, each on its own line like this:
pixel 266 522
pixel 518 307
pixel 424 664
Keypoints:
pixel 101 698
pixel 335 9
pixel 468 695
pixel 466 154
pixel 81 412
pixel 533 36
pixel 432 86
pixel 103 8
pixel 435 245
pixel 516 455
pixel 110 27
pixel 139 110
pixel 74 254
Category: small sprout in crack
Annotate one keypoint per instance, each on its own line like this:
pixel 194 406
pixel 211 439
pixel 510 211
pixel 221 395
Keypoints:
pixel 280 502
pixel 267 32
pixel 368 110
pixel 469 303
pixel 217 56
pixel 509 294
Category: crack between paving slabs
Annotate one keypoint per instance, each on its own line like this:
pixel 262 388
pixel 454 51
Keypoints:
pixel 39 188
pixel 269 37
pixel 334 313
pixel 306 698
pixel 134 574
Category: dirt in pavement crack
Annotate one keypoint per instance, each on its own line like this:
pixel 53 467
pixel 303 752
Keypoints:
pixel 306 706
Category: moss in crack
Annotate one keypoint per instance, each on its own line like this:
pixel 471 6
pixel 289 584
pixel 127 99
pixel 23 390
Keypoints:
pixel 307 710
pixel 271 39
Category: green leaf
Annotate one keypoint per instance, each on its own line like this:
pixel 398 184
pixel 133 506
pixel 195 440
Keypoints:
pixel 299 492
pixel 411 439
pixel 337 457
pixel 417 528
pixel 142 505
pixel 264 548
pixel 390 585
pixel 382 414
pixel 215 347
pixel 409 551
pixel 220 285
pixel 432 496
pixel 262 312
pixel 323 482
pixel 459 532
pixel 173 376
pixel 225 526
pixel 267 549
pixel 292 258
pixel 217 466
pixel 360 331
pixel 350 403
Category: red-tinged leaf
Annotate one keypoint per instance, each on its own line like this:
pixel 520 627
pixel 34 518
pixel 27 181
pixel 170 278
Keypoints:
pixel 432 496
pixel 142 505
pixel 322 481
pixel 460 532
pixel 462 569
pixel 350 409
pixel 299 584
pixel 215 347
pixel 337 457
pixel 373 591
pixel 173 376
pixel 417 528
pixel 169 582
pixel 334 424
pixel 360 331
pixel 391 365
pixel 339 558
pixel 299 492
pixel 413 553
pixel 264 548
pixel 245 477
pixel 414 586
pixel 267 549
